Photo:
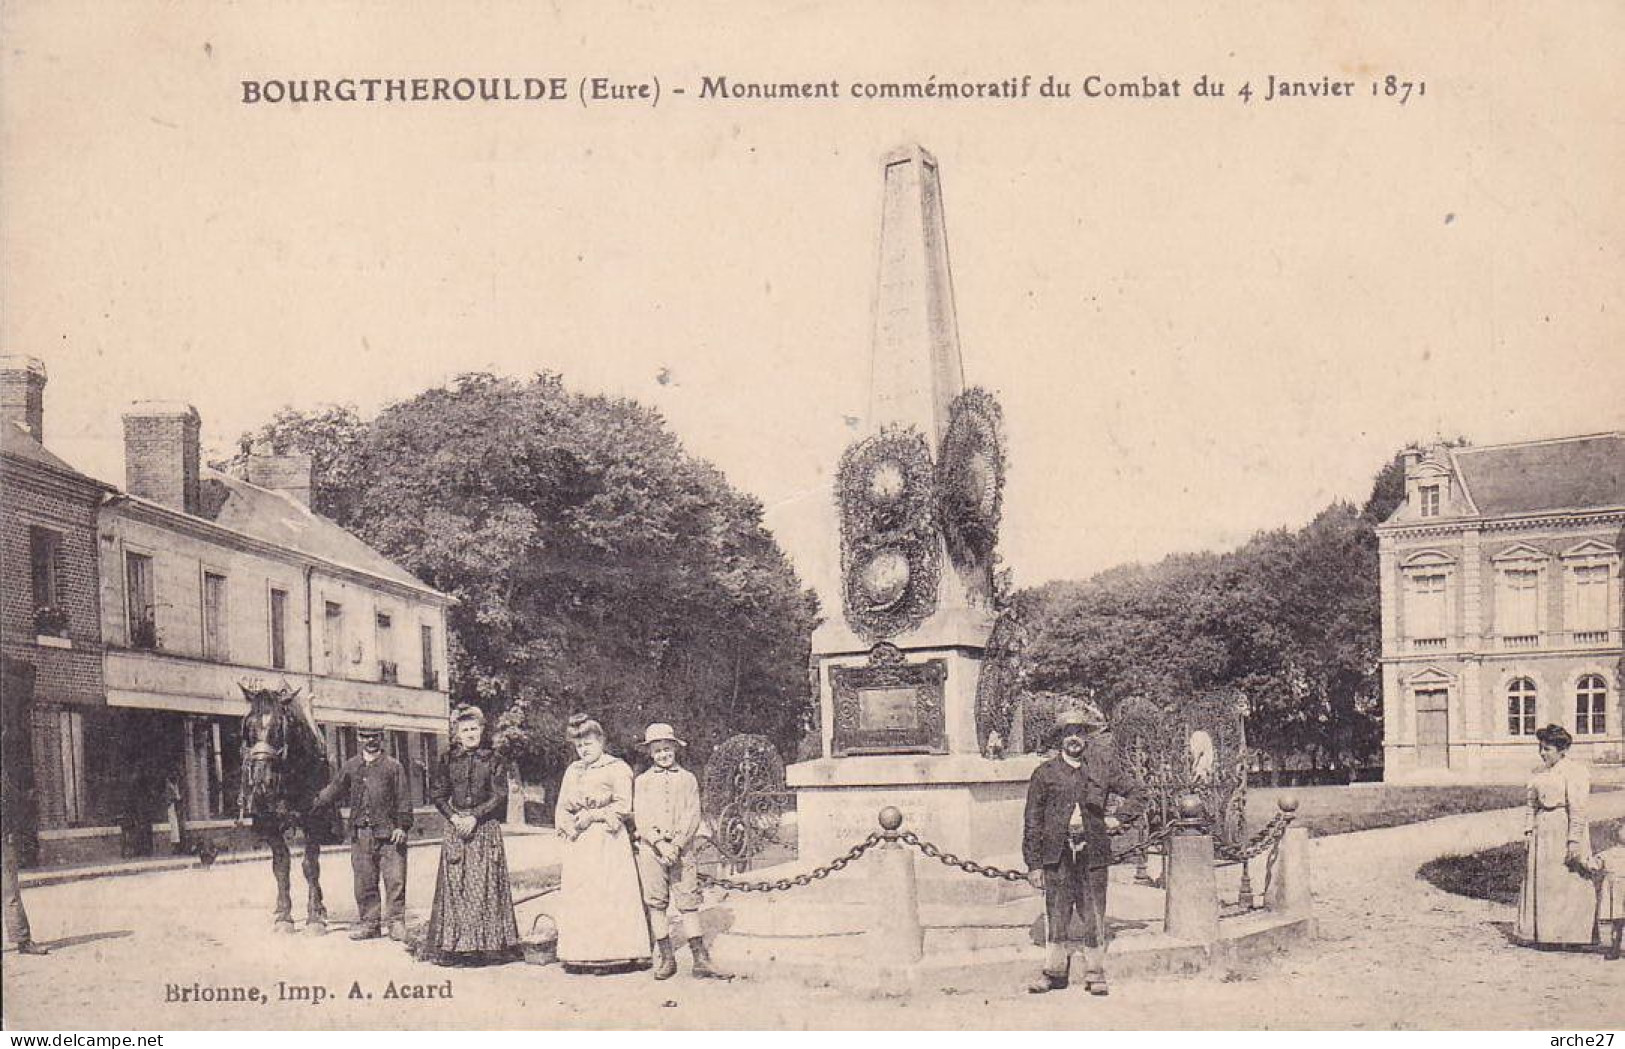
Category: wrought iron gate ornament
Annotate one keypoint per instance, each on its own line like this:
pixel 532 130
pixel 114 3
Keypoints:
pixel 1195 747
pixel 743 798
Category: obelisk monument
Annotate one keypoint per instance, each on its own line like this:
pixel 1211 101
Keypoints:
pixel 918 500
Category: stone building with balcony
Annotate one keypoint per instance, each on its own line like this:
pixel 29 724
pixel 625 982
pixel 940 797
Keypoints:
pixel 210 580
pixel 1501 607
pixel 50 626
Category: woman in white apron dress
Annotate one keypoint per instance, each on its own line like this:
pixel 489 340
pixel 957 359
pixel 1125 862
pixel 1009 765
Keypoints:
pixel 601 920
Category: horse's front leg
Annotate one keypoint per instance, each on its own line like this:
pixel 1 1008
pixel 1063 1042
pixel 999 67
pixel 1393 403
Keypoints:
pixel 281 868
pixel 315 909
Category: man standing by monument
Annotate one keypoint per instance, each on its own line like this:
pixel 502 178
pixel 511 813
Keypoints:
pixel 1066 844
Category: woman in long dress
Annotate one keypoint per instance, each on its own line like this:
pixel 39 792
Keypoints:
pixel 601 922
pixel 1558 902
pixel 472 920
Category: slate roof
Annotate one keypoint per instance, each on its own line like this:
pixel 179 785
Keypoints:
pixel 283 521
pixel 18 443
pixel 1571 473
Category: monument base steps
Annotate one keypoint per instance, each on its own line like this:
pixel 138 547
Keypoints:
pixel 842 961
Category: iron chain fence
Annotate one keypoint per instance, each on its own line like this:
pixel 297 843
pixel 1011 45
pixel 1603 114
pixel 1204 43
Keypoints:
pixel 913 840
pixel 807 878
pixel 1264 840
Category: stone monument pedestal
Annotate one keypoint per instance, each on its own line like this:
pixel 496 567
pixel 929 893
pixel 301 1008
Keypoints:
pixel 962 803
pixel 899 728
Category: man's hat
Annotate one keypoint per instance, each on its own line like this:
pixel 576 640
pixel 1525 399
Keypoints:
pixel 369 732
pixel 1081 714
pixel 660 732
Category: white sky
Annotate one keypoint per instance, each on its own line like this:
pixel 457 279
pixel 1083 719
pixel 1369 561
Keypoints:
pixel 1201 318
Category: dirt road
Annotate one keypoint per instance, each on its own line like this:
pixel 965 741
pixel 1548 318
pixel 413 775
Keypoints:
pixel 1393 952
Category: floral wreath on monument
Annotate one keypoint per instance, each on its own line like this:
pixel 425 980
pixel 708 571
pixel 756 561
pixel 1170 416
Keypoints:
pixel 885 489
pixel 970 477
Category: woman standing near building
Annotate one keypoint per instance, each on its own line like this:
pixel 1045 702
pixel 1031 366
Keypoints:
pixel 600 918
pixel 472 919
pixel 1558 903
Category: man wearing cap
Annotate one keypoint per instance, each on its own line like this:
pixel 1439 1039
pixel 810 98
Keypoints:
pixel 380 815
pixel 666 814
pixel 1066 845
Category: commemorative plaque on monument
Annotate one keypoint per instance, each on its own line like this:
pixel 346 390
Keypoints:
pixel 918 499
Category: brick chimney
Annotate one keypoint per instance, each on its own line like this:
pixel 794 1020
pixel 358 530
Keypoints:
pixel 22 393
pixel 288 474
pixel 161 453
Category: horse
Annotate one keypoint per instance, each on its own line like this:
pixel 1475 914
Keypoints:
pixel 284 766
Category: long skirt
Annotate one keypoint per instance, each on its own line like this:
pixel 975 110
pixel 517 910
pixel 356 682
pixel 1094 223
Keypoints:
pixel 1557 904
pixel 600 910
pixel 473 903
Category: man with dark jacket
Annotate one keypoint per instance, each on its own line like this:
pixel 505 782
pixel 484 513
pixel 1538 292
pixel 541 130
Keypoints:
pixel 380 815
pixel 1066 843
pixel 12 799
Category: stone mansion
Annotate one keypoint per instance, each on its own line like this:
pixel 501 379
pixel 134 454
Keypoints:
pixel 1501 607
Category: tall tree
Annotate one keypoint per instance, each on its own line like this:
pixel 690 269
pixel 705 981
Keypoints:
pixel 597 566
pixel 1291 619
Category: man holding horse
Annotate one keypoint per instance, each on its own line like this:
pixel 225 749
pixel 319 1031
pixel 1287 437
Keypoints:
pixel 374 784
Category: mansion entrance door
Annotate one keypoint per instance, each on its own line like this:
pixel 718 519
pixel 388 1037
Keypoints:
pixel 1432 728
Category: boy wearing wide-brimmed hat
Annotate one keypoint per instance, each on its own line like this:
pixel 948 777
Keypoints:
pixel 1066 843
pixel 666 814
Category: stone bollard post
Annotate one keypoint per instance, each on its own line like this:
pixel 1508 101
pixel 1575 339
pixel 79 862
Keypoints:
pixel 896 934
pixel 1192 894
pixel 516 804
pixel 1289 882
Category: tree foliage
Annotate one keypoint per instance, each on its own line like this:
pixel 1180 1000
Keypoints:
pixel 1291 619
pixel 597 566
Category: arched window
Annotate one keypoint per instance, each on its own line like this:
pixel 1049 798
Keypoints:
pixel 1521 707
pixel 1590 706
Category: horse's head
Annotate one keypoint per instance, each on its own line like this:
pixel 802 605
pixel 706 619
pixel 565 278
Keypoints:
pixel 283 753
pixel 262 701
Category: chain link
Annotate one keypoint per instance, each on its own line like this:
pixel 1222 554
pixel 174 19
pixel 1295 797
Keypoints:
pixel 806 878
pixel 950 860
pixel 1258 843
pixel 1142 846
pixel 930 851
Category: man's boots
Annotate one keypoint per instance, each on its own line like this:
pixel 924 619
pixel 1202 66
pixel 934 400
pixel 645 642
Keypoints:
pixel 666 964
pixel 1094 971
pixel 703 969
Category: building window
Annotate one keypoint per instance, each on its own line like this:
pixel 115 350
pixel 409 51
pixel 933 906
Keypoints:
pixel 214 617
pixel 1430 500
pixel 45 558
pixel 1521 707
pixel 388 671
pixel 1591 600
pixel 346 745
pixel 431 676
pixel 1428 608
pixel 139 610
pixel 279 629
pixel 1591 706
pixel 208 788
pixel 333 638
pixel 427 758
pixel 1520 606
pixel 400 748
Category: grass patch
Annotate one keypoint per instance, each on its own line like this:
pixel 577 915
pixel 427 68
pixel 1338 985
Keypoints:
pixel 1496 874
pixel 1343 810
